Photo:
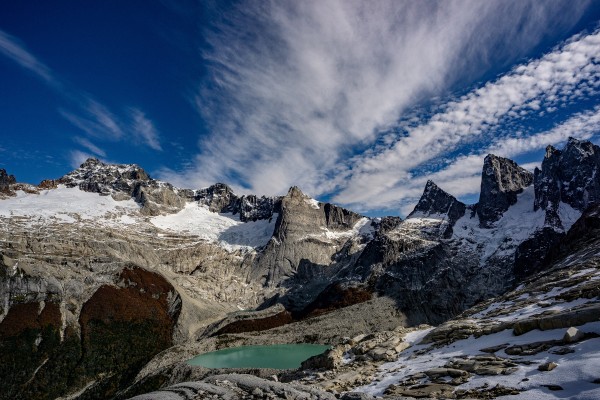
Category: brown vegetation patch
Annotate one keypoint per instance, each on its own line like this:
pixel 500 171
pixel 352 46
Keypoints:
pixel 25 316
pixel 334 297
pixel 143 299
pixel 259 324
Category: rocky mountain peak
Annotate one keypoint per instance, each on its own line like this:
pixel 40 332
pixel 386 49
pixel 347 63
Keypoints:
pixel 90 162
pixel 221 198
pixel 501 181
pixel 125 181
pixel 218 197
pixel 580 148
pixel 99 177
pixel 570 176
pixel 295 191
pixel 435 201
pixel 551 152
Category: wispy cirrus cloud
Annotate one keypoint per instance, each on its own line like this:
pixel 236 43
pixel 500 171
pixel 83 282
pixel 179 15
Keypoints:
pixel 84 111
pixel 85 143
pixel 95 119
pixel 298 88
pixel 144 130
pixel 12 48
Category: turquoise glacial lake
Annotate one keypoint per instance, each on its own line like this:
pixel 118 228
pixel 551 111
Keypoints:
pixel 278 356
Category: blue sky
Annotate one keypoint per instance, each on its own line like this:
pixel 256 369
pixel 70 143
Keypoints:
pixel 356 102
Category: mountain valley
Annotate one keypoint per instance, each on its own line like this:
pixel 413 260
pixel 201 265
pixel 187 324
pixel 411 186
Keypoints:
pixel 111 280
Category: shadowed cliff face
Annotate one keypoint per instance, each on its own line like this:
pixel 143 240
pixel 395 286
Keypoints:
pixel 436 203
pixel 305 230
pixel 501 181
pixel 121 328
pixel 569 176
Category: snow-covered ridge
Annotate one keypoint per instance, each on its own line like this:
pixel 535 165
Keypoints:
pixel 71 205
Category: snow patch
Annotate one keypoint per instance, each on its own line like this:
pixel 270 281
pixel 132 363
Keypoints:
pixel 517 224
pixel 574 372
pixel 312 203
pixel 568 215
pixel 363 227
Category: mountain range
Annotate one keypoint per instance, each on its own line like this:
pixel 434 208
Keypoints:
pixel 110 280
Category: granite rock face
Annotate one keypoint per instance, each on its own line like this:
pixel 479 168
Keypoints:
pixel 307 237
pixel 501 181
pixel 568 176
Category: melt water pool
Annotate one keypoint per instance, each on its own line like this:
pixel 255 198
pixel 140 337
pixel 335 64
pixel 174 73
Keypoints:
pixel 278 356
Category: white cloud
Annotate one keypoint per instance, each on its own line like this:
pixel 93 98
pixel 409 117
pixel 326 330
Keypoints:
pixel 297 87
pixel 77 157
pixel 12 48
pixel 143 129
pixel 90 146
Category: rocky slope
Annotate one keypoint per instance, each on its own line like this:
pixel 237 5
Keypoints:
pixel 106 247
pixel 540 340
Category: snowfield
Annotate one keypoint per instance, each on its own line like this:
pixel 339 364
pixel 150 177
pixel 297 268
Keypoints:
pixel 225 229
pixel 68 205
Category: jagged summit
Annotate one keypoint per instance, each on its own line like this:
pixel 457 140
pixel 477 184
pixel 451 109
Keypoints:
pixel 221 198
pixel 436 202
pixel 568 176
pixel 99 177
pixel 501 181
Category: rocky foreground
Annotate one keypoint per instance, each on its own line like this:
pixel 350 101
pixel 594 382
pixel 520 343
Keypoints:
pixel 110 280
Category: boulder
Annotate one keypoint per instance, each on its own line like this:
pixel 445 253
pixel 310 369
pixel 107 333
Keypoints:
pixel 573 335
pixel 549 366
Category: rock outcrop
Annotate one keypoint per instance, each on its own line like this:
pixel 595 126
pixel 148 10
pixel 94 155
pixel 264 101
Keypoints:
pixel 568 176
pixel 501 181
pixel 307 237
pixel 5 182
